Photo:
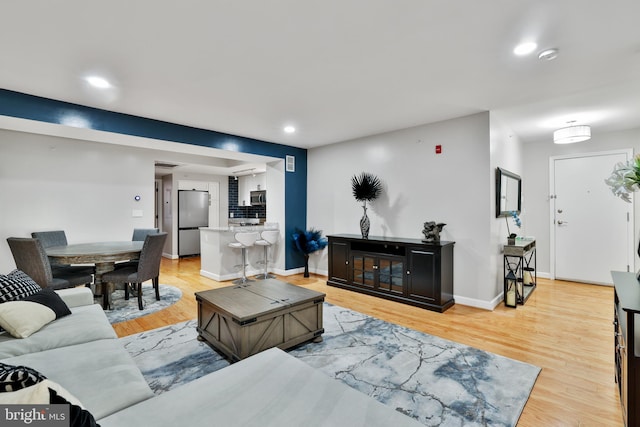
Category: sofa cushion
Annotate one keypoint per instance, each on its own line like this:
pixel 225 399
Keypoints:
pixel 270 388
pixel 100 373
pixel 86 323
pixel 76 297
pixel 13 378
pixel 16 286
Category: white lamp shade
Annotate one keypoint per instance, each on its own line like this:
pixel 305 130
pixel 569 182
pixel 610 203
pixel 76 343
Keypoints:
pixel 572 134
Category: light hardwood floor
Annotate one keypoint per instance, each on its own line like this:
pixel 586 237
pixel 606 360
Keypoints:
pixel 565 328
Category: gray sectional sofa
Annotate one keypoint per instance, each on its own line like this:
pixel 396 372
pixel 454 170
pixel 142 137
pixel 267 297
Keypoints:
pixel 81 353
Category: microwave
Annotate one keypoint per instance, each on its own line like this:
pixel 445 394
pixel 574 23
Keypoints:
pixel 258 198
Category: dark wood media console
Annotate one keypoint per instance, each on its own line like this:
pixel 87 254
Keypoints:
pixel 626 324
pixel 404 270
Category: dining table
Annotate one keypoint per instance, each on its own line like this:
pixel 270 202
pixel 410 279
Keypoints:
pixel 103 255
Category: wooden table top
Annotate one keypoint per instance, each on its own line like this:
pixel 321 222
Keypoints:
pixel 262 297
pixel 96 251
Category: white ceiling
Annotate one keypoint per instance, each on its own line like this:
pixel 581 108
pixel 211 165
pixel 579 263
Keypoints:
pixel 336 70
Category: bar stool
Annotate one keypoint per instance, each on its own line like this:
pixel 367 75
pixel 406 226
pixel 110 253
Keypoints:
pixel 243 241
pixel 268 238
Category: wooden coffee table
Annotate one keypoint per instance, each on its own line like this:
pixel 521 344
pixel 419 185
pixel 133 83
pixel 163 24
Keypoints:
pixel 242 320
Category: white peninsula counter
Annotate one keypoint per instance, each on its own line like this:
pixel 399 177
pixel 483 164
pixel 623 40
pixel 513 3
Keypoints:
pixel 218 261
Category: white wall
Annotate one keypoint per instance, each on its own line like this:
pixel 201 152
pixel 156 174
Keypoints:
pixel 84 188
pixel 536 184
pixel 454 187
pixel 507 153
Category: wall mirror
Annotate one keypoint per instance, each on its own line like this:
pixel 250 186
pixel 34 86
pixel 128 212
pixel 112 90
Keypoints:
pixel 508 192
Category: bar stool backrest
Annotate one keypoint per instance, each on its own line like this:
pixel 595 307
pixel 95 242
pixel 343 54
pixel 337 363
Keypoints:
pixel 271 236
pixel 247 238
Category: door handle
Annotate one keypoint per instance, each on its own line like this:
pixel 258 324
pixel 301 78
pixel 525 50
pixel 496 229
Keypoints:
pixel 562 222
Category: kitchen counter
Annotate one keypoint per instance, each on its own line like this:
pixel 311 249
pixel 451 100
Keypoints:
pixel 218 260
pixel 239 228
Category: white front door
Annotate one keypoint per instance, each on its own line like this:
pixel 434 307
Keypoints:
pixel 591 229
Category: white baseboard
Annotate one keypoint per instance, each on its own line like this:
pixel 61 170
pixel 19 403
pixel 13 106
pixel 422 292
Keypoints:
pixel 485 305
pixel 471 302
pixel 250 272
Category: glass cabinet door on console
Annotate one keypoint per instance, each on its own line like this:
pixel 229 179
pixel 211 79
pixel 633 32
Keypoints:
pixel 378 272
pixel 363 270
pixel 391 275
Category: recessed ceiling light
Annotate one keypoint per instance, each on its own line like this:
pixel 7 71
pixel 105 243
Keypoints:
pixel 525 48
pixel 99 82
pixel 289 129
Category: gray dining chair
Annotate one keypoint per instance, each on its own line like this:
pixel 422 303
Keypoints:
pixel 139 234
pixel 30 257
pixel 147 268
pixel 51 238
pixel 59 238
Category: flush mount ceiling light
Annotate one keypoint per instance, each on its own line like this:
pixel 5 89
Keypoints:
pixel 99 82
pixel 571 134
pixel 548 54
pixel 289 129
pixel 525 48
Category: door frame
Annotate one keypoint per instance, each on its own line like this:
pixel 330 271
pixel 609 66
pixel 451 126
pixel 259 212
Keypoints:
pixel 552 225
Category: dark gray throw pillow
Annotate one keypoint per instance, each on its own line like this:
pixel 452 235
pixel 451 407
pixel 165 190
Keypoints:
pixel 79 417
pixel 49 298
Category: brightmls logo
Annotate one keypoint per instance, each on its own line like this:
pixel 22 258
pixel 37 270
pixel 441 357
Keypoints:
pixel 34 415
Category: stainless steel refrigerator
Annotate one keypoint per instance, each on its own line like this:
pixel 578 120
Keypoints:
pixel 193 212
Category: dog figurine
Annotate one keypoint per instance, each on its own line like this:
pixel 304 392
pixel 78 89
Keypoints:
pixel 432 231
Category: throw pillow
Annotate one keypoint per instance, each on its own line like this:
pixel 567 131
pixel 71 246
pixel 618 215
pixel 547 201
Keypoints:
pixel 48 392
pixel 16 286
pixel 79 417
pixel 13 378
pixel 23 318
pixel 49 298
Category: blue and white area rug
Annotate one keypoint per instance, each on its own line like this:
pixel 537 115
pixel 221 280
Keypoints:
pixel 124 310
pixel 436 381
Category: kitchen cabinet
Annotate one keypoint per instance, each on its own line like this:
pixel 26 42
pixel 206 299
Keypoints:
pixel 249 183
pixel 193 185
pixel 405 270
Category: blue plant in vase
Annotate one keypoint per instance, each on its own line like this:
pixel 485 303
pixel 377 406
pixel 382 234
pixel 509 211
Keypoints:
pixel 516 221
pixel 308 242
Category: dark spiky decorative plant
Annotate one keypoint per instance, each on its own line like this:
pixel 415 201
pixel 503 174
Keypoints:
pixel 366 187
pixel 308 242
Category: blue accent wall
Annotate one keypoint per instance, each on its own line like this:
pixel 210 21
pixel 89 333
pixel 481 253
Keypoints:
pixel 20 105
